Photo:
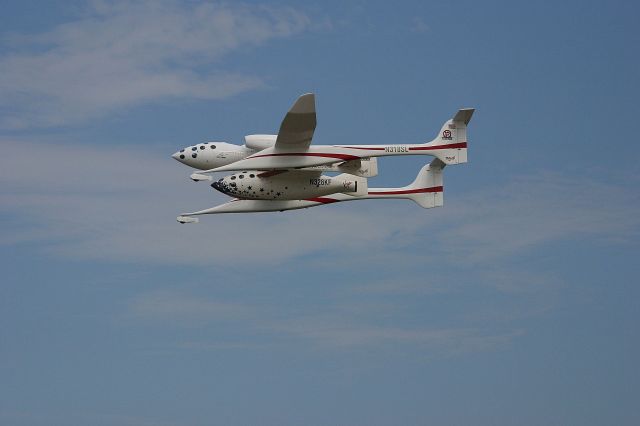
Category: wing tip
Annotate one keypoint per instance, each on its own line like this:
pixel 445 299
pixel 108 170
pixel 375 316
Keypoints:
pixel 187 219
pixel 305 104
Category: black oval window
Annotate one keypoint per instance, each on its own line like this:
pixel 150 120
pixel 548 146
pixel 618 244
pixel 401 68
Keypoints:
pixel 194 155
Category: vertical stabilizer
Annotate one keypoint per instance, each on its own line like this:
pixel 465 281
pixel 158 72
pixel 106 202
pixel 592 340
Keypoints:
pixel 450 145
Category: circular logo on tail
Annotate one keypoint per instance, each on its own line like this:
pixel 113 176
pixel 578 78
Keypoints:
pixel 446 134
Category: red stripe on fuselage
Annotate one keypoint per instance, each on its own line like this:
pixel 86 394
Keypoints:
pixel 322 200
pixel 309 154
pixel 408 191
pixel 360 147
pixel 348 157
pixel 413 148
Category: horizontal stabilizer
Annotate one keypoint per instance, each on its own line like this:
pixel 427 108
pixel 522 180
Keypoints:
pixel 463 115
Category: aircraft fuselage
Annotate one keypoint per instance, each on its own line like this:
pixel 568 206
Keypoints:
pixel 294 185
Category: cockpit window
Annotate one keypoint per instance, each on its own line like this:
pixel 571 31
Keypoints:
pixel 241 176
pixel 213 146
pixel 182 150
pixel 194 155
pixel 252 175
pixel 182 156
pixel 193 148
pixel 233 178
pixel 201 146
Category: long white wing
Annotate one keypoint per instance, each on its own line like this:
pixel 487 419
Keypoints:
pixel 296 130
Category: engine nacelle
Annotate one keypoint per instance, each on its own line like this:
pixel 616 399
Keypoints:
pixel 260 142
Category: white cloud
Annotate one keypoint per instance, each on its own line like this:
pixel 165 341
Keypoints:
pixel 535 209
pixel 418 25
pixel 340 331
pixel 336 324
pixel 172 307
pixel 120 204
pixel 125 53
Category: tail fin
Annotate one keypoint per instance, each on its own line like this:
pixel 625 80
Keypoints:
pixel 426 190
pixel 450 146
pixel 353 185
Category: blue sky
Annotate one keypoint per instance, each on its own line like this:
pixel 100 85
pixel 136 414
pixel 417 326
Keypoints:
pixel 516 303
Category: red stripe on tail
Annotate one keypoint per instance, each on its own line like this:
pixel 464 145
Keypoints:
pixel 408 191
pixel 448 146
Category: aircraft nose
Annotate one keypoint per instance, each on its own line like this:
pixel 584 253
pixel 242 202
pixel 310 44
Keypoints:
pixel 179 155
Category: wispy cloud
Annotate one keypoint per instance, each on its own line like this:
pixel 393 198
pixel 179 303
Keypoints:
pixel 114 204
pixel 418 25
pixel 336 333
pixel 535 209
pixel 341 324
pixel 108 203
pixel 124 53
pixel 172 306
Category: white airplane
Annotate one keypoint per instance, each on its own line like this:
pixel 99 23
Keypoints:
pixel 291 148
pixel 256 191
pixel 286 170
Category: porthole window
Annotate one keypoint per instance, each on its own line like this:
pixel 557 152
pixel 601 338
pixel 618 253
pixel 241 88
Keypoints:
pixel 213 146
pixel 201 146
pixel 194 155
pixel 182 156
pixel 252 175
pixel 193 148
pixel 233 178
pixel 241 176
pixel 182 150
